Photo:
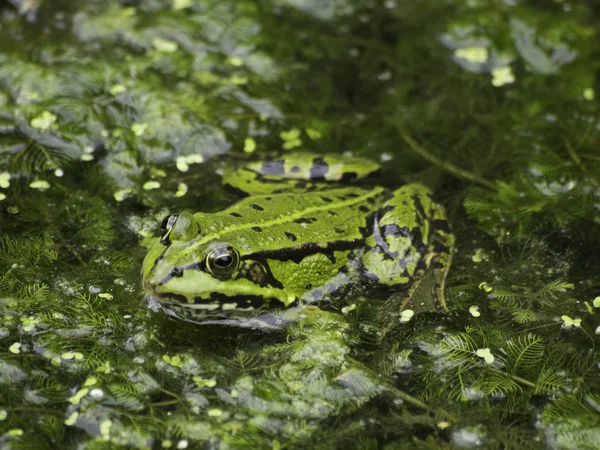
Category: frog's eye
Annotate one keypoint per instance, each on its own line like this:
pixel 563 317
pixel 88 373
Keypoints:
pixel 223 261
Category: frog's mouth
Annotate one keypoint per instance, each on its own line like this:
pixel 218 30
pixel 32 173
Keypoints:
pixel 219 302
pixel 202 293
pixel 257 319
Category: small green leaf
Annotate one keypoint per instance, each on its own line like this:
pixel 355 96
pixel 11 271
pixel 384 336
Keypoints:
pixel 249 145
pixel 76 399
pixel 314 134
pixel 72 419
pixel 406 315
pixel 182 189
pixel 121 194
pixel 474 311
pixel 150 185
pixel 15 348
pixel 568 322
pixel 139 128
pixel 117 89
pixel 502 76
pixel 164 45
pixel 4 180
pixel 486 354
pixel 290 135
pixel 39 184
pixel 44 121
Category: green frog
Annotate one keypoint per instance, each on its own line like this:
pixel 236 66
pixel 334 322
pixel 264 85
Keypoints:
pixel 304 232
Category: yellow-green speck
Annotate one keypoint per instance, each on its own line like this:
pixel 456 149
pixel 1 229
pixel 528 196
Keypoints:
pixel 485 287
pixel 201 382
pixel 290 135
pixel 249 145
pixel 347 309
pixel 288 145
pixel 104 368
pixel 15 348
pixel 149 185
pixel 589 94
pixel 4 180
pixel 406 315
pixel 72 419
pixel 105 427
pixel 75 399
pixel 568 322
pixel 235 61
pixel 486 354
pixel 175 361
pixel 182 189
pixel 478 256
pixel 214 412
pixel 164 45
pixel 502 76
pixel 194 158
pixel 139 128
pixel 474 311
pixel 182 164
pixel 117 89
pixel 39 184
pixel 181 4
pixel 314 134
pixel 238 80
pixel 121 194
pixel 473 54
pixel 44 121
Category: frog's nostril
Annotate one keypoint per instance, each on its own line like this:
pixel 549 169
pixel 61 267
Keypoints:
pixel 176 272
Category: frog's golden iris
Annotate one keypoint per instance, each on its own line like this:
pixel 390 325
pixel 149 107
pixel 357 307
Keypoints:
pixel 293 240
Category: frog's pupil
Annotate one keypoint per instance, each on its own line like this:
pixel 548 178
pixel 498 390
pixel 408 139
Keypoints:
pixel 224 261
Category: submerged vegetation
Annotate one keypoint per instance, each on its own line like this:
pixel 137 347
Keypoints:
pixel 113 113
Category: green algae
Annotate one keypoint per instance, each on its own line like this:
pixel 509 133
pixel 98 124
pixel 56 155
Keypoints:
pixel 114 113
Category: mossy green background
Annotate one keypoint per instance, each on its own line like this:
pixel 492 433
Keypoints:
pixel 492 104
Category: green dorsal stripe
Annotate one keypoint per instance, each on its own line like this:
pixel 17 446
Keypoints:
pixel 310 211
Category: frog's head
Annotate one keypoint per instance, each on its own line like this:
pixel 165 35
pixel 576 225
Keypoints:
pixel 185 270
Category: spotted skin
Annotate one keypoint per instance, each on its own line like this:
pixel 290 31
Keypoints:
pixel 297 173
pixel 296 240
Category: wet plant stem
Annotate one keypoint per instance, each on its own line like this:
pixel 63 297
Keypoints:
pixel 446 166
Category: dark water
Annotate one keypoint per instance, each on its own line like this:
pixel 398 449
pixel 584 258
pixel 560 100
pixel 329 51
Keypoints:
pixel 491 104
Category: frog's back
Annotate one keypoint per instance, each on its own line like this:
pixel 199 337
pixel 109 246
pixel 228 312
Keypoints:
pixel 276 222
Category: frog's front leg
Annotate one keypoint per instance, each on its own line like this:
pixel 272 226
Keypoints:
pixel 410 240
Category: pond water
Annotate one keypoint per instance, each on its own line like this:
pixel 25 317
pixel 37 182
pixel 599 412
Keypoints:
pixel 114 114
